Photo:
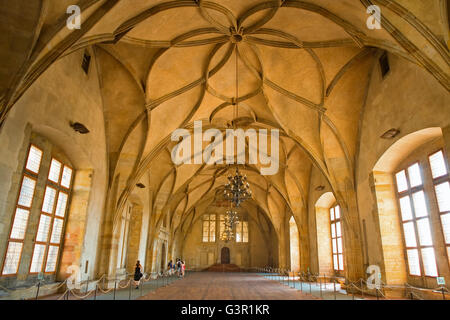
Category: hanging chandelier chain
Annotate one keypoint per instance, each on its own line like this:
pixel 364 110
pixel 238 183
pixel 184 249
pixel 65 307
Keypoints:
pixel 236 106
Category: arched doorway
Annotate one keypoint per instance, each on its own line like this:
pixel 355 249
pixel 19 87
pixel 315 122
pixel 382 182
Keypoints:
pixel 225 255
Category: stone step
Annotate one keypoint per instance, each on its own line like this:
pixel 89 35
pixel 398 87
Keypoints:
pixel 223 268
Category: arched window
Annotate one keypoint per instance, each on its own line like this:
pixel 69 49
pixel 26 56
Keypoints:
pixel 336 238
pixel 242 231
pixel 209 228
pixel 416 212
pixel 53 212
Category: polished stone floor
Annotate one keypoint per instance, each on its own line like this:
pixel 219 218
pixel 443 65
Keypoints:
pixel 226 286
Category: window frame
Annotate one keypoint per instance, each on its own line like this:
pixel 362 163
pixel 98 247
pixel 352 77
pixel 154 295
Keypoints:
pixel 209 220
pixel 28 173
pixel 28 155
pixel 59 188
pixel 241 225
pixel 409 192
pixel 335 221
pixel 435 182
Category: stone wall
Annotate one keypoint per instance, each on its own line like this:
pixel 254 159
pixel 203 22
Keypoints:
pixel 200 255
pixel 62 94
pixel 408 99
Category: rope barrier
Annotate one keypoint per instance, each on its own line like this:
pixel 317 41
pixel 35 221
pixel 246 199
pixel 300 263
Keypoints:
pixel 63 295
pixel 81 297
pixel 59 285
pixel 280 275
pixel 105 291
pixel 129 281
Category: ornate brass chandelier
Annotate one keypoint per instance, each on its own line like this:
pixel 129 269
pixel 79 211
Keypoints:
pixel 237 190
pixel 230 219
pixel 227 234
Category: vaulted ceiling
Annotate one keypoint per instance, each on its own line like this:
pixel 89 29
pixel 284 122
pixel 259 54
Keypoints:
pixel 304 68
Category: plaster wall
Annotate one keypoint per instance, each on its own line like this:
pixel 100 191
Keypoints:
pixel 62 94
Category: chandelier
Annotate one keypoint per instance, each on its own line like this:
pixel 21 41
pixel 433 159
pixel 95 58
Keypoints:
pixel 230 219
pixel 237 190
pixel 227 234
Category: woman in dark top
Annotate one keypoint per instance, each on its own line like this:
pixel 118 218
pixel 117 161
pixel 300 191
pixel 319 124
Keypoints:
pixel 137 273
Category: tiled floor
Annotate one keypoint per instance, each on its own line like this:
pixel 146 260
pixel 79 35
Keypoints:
pixel 226 286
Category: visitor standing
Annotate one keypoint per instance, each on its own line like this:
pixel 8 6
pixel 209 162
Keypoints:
pixel 179 267
pixel 183 268
pixel 137 274
pixel 170 267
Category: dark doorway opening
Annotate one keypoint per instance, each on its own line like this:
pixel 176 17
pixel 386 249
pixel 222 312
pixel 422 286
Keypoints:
pixel 225 256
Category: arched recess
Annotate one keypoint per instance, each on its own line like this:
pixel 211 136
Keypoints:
pixel 324 254
pixel 88 183
pixel 294 245
pixel 394 268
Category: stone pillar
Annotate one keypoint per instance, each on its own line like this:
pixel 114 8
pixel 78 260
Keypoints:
pixel 134 237
pixel 76 223
pixel 303 234
pixel 104 265
pixel 446 137
pixel 353 253
pixel 283 245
